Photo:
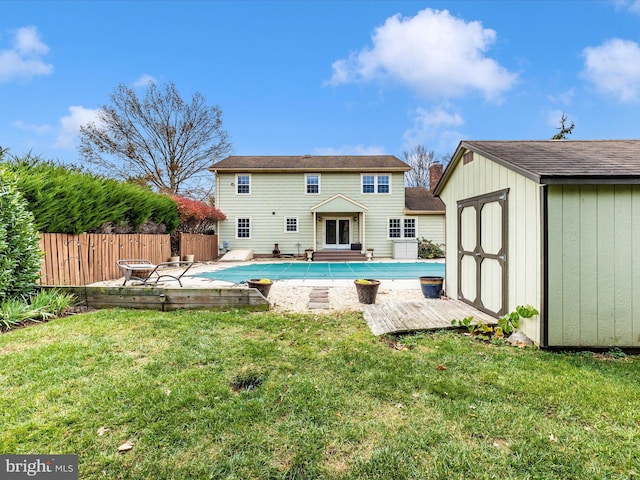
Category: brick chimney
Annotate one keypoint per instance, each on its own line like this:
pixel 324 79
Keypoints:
pixel 435 173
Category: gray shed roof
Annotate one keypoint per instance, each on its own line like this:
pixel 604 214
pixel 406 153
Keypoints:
pixel 311 163
pixel 559 161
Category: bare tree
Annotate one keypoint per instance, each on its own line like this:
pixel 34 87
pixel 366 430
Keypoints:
pixel 564 130
pixel 160 140
pixel 420 160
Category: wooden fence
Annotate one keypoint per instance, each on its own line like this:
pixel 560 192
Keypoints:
pixel 89 258
pixel 203 247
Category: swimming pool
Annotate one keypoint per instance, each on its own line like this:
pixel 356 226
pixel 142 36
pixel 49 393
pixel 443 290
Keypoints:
pixel 326 270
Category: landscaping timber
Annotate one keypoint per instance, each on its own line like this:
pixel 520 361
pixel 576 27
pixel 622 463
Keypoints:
pixel 168 299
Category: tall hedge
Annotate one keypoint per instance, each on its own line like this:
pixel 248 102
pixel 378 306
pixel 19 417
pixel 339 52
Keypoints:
pixel 67 200
pixel 19 246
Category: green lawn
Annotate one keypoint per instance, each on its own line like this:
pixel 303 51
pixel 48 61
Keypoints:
pixel 255 396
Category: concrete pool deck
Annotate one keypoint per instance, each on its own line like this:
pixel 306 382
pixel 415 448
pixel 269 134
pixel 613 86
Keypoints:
pixel 303 295
pixel 400 305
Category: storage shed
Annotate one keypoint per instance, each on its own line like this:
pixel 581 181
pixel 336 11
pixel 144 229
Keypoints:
pixel 554 224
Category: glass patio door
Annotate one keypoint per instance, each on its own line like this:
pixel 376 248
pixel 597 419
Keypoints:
pixel 337 233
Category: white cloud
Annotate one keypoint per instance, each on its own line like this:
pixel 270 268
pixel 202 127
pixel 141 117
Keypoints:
pixel 614 68
pixel 144 80
pixel 351 150
pixel 24 58
pixel 434 129
pixel 632 6
pixel 433 53
pixel 39 129
pixel 70 125
pixel 564 98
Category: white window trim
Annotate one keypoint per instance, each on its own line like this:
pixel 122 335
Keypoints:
pixel 297 230
pixel 250 228
pixel 402 228
pixel 237 184
pixel 375 183
pixel 319 183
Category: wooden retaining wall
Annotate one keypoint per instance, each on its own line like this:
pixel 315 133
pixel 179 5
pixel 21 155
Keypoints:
pixel 168 299
pixel 89 258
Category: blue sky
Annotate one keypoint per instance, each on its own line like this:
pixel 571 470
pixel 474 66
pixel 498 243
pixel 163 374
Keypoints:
pixel 327 77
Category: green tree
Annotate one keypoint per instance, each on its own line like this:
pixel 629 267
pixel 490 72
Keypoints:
pixel 19 245
pixel 564 130
pixel 159 140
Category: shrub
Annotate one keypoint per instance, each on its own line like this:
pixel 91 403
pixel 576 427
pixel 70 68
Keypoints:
pixel 43 306
pixel 195 216
pixel 19 245
pixel 428 249
pixel 66 199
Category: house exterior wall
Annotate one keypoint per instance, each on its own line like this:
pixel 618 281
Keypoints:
pixel 276 196
pixel 431 227
pixel 482 176
pixel 593 265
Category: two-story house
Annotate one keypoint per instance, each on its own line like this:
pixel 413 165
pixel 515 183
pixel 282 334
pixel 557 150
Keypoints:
pixel 322 203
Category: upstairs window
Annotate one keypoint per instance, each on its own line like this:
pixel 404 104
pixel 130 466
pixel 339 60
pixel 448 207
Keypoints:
pixel 376 184
pixel 368 184
pixel 313 184
pixel 383 183
pixel 243 184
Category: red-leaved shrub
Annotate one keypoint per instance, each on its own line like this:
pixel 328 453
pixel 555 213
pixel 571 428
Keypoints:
pixel 195 216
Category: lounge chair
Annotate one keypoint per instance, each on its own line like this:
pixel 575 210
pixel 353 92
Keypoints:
pixel 146 272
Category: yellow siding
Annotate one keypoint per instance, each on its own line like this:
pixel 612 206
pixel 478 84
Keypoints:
pixel 483 176
pixel 275 196
pixel 431 227
pixel 594 265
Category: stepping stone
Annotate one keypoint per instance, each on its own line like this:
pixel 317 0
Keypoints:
pixel 319 298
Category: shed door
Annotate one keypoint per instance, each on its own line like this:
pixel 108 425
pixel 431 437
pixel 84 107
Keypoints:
pixel 482 247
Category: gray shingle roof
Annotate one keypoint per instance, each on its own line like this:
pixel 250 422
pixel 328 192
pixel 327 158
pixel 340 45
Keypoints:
pixel 564 161
pixel 311 163
pixel 419 199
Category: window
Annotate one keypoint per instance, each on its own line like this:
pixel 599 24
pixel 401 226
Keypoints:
pixel 243 184
pixel 368 184
pixel 409 228
pixel 376 184
pixel 243 227
pixel 402 228
pixel 291 224
pixel 394 228
pixel 383 183
pixel 313 184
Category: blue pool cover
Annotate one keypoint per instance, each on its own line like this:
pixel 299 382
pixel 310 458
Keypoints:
pixel 328 271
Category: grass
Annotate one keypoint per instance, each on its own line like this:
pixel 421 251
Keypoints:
pixel 205 395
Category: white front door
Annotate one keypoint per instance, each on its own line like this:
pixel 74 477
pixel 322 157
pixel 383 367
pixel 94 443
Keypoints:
pixel 337 233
